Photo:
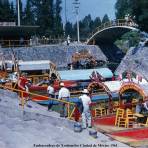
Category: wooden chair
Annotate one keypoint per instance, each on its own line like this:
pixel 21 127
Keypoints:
pixel 127 120
pixel 119 114
pixel 130 119
pixel 100 111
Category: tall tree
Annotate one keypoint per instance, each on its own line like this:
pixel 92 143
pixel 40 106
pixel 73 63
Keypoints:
pixel 58 26
pixel 122 7
pixel 96 23
pixel 5 11
pixel 86 26
pixel 105 19
pixel 43 13
pixel 137 8
pixel 29 18
pixel 12 11
pixel 69 29
pixel 140 10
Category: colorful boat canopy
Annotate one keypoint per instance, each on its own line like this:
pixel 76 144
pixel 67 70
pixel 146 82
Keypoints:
pixel 34 65
pixel 142 88
pixel 113 86
pixel 84 74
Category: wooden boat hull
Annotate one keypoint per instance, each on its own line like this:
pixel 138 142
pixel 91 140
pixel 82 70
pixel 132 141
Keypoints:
pixel 68 84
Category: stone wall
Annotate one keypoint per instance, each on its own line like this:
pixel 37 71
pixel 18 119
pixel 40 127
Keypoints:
pixel 58 54
pixel 136 60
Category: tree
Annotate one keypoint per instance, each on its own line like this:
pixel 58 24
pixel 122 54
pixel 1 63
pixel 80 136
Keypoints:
pixel 43 15
pixel 68 29
pixel 96 23
pixel 140 10
pixel 123 8
pixel 6 13
pixel 12 12
pixel 137 9
pixel 29 18
pixel 86 26
pixel 58 26
pixel 105 19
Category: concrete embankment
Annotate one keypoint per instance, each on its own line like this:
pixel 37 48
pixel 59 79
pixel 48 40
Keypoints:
pixel 36 127
pixel 61 55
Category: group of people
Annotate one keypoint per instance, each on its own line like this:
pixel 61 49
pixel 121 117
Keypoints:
pixel 64 95
pixel 142 108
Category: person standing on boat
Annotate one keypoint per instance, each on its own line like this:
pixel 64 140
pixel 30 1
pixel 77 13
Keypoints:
pixel 64 94
pixel 86 113
pixel 51 94
pixel 68 39
pixel 22 85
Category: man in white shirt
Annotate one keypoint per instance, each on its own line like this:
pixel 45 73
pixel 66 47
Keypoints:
pixel 86 115
pixel 50 91
pixel 64 94
pixel 145 104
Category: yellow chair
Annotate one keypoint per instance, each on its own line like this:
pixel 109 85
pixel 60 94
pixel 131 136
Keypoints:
pixel 119 114
pixel 100 111
pixel 130 119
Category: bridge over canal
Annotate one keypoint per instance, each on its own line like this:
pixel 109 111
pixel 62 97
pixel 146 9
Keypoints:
pixel 106 35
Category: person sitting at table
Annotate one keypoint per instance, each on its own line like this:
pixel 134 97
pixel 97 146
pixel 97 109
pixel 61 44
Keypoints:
pixel 145 105
pixel 142 108
pixel 139 106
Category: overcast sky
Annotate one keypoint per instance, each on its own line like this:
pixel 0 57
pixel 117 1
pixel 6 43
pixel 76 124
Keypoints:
pixel 93 7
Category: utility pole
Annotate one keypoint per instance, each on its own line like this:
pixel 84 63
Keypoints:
pixel 18 13
pixel 76 6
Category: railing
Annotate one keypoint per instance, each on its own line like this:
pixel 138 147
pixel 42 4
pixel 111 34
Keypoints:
pixel 119 22
pixel 70 106
pixel 33 42
pixel 28 43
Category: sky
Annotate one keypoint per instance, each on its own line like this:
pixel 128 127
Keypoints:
pixel 94 7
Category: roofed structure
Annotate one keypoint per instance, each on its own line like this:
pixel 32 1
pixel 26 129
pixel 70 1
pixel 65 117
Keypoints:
pixel 84 74
pixel 142 89
pixel 13 32
pixel 13 35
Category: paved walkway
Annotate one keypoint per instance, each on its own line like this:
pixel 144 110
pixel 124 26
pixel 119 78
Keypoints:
pixel 36 127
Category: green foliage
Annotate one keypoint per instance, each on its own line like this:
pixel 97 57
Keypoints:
pixel 130 39
pixel 69 29
pixel 105 19
pixel 6 11
pixel 58 20
pixel 97 22
pixel 28 14
pixel 137 8
pixel 86 26
pixel 47 15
